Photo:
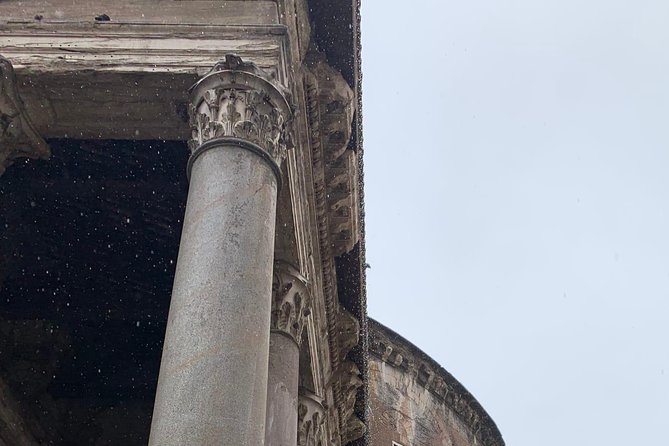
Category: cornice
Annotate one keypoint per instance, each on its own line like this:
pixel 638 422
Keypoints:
pixel 392 349
pixel 18 137
pixel 329 123
pixel 327 262
pixel 336 102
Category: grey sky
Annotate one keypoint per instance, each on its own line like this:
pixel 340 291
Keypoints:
pixel 517 198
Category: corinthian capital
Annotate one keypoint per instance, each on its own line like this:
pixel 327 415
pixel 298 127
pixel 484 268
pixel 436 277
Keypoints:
pixel 239 102
pixel 291 300
pixel 18 138
pixel 310 420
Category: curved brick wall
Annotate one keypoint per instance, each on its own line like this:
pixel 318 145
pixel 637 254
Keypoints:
pixel 415 402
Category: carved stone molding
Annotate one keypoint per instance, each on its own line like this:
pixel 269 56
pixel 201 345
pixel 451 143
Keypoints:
pixel 349 332
pixel 344 221
pixel 331 107
pixel 397 352
pixel 18 137
pixel 239 102
pixel 346 378
pixel 291 301
pixel 310 420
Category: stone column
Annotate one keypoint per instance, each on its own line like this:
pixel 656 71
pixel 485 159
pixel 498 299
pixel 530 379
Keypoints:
pixel 212 387
pixel 311 417
pixel 290 304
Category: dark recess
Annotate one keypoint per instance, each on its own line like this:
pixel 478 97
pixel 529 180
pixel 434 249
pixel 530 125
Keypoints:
pixel 88 247
pixel 333 32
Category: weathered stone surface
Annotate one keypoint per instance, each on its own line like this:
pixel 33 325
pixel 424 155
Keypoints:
pixel 282 383
pixel 311 420
pixel 349 381
pixel 86 79
pixel 414 401
pixel 291 301
pixel 236 99
pixel 161 12
pixel 213 378
pixel 403 411
pixel 331 107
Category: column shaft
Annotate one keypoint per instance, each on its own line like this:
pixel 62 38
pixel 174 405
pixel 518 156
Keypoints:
pixel 291 301
pixel 212 388
pixel 282 394
pixel 213 378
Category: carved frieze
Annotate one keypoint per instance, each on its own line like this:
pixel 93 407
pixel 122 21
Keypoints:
pixel 237 100
pixel 18 138
pixel 310 420
pixel 291 300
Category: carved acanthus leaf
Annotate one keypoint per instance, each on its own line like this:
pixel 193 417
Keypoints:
pixel 236 99
pixel 18 137
pixel 310 420
pixel 291 300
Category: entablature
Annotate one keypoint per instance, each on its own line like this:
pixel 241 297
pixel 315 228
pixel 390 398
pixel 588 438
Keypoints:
pixel 114 80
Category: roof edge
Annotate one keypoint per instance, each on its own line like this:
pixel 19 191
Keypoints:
pixel 398 352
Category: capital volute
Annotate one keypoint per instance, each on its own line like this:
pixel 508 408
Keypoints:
pixel 18 137
pixel 291 301
pixel 310 419
pixel 239 103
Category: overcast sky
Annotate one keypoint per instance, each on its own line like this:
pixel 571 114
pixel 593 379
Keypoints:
pixel 517 199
